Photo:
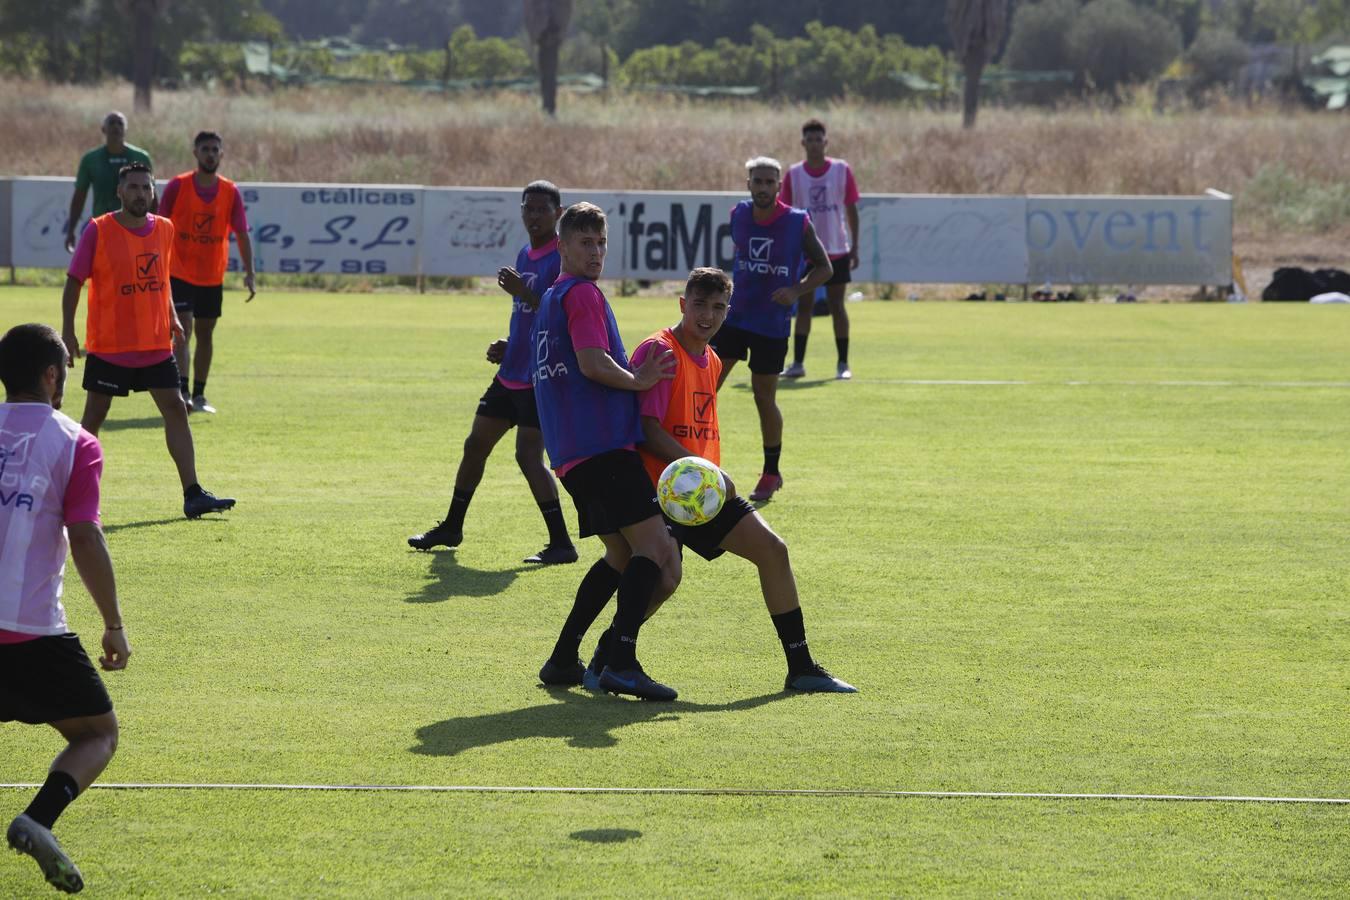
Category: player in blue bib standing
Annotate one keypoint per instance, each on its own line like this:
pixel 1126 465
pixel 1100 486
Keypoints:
pixel 509 400
pixel 771 241
pixel 588 412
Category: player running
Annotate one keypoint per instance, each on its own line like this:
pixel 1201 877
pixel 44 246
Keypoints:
pixel 771 240
pixel 49 473
pixel 825 187
pixel 204 207
pixel 588 413
pixel 679 418
pixel 125 256
pixel 509 400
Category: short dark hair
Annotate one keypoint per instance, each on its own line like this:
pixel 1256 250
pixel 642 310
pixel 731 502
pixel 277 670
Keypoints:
pixel 581 216
pixel 131 167
pixel 204 136
pixel 545 188
pixel 707 280
pixel 25 353
pixel 813 125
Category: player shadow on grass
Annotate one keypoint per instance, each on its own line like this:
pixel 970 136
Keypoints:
pixel 129 424
pixel 146 523
pixel 450 579
pixel 786 384
pixel 585 721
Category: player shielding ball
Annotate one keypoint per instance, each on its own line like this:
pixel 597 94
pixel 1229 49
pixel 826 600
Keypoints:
pixel 588 412
pixel 509 400
pixel 679 418
pixel 49 470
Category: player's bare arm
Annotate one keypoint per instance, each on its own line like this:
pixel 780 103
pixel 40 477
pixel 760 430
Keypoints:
pixel 70 302
pixel 89 551
pixel 73 218
pixel 496 351
pixel 246 257
pixel 509 280
pixel 851 213
pixel 597 365
pixel 820 272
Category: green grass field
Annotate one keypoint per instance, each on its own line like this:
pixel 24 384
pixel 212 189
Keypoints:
pixel 1121 569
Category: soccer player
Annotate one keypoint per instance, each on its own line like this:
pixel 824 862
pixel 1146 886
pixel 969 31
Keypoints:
pixel 49 478
pixel 131 324
pixel 509 400
pixel 679 418
pixel 771 240
pixel 98 169
pixel 824 186
pixel 203 218
pixel 588 412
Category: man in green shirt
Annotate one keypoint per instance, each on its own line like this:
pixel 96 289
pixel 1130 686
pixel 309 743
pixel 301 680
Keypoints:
pixel 99 168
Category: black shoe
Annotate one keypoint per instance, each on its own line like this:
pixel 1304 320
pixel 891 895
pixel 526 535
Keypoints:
pixel 440 536
pixel 817 681
pixel 568 675
pixel 206 502
pixel 554 555
pixel 636 682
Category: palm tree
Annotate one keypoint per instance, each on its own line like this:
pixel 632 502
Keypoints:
pixel 977 31
pixel 546 21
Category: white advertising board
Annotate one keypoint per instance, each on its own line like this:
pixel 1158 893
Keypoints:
pixel 1130 240
pixel 410 229
pixel 931 238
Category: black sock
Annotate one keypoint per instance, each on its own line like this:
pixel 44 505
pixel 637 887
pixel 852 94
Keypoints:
pixel 459 505
pixel 192 490
pixel 198 388
pixel 182 385
pixel 792 634
pixel 600 658
pixel 799 348
pixel 557 526
pixel 771 455
pixel 841 345
pixel 594 592
pixel 636 587
pixel 56 793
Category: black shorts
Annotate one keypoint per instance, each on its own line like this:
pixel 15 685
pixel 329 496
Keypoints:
pixel 767 354
pixel 843 271
pixel 706 539
pixel 49 679
pixel 203 301
pixel 515 406
pixel 611 490
pixel 102 377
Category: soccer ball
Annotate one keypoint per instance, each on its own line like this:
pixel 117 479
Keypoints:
pixel 691 490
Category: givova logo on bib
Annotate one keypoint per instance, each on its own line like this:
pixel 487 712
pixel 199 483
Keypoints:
pixel 761 252
pixel 14 448
pixel 542 369
pixel 149 276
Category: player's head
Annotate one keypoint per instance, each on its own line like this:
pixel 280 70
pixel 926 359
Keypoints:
pixel 583 239
pixel 33 364
pixel 762 176
pixel 114 128
pixel 207 148
pixel 540 209
pixel 813 138
pixel 135 188
pixel 705 303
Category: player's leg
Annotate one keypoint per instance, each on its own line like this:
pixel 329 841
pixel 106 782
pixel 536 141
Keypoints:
pixel 484 434
pixel 599 584
pixel 764 386
pixel 530 458
pixel 96 408
pixel 205 330
pixel 178 436
pixel 652 572
pixel 751 538
pixel 727 366
pixel 801 333
pixel 182 352
pixel 834 295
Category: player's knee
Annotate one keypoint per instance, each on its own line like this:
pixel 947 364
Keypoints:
pixel 529 460
pixel 476 446
pixel 777 552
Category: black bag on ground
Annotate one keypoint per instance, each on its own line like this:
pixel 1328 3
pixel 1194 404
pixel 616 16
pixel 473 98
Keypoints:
pixel 1293 283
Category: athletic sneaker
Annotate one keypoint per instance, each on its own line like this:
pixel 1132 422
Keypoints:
pixel 27 836
pixel 590 680
pixel 636 682
pixel 843 373
pixel 440 536
pixel 206 502
pixel 796 370
pixel 766 487
pixel 567 675
pixel 554 556
pixel 200 405
pixel 817 681
pixel 187 400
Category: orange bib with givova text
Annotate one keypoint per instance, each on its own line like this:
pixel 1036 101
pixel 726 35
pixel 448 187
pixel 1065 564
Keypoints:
pixel 203 250
pixel 691 417
pixel 130 307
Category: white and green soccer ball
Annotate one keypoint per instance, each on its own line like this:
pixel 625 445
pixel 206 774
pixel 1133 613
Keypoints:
pixel 691 491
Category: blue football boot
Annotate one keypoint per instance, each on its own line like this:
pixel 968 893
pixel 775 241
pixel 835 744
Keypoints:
pixel 817 681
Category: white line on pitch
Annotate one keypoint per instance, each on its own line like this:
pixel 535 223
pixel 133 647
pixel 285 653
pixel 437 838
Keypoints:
pixel 708 791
